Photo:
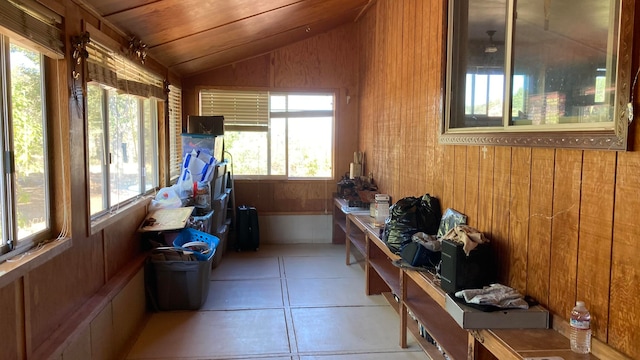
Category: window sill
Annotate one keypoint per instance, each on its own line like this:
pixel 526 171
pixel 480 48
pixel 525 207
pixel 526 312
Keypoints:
pixel 14 268
pixel 102 222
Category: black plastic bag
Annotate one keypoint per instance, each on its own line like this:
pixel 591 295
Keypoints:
pixel 408 216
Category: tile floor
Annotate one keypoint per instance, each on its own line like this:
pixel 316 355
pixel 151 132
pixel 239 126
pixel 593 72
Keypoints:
pixel 293 302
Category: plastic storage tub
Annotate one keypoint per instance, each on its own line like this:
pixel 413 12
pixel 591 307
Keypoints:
pixel 189 235
pixel 211 144
pixel 184 284
pixel 202 223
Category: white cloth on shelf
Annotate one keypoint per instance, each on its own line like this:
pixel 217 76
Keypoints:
pixel 497 295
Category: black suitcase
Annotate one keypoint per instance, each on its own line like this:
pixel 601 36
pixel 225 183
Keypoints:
pixel 247 228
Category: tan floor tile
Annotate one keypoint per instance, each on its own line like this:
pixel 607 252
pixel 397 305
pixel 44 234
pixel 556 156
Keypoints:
pixel 280 250
pixel 343 292
pixel 346 329
pixel 244 294
pixel 406 355
pixel 247 268
pixel 216 334
pixel 319 267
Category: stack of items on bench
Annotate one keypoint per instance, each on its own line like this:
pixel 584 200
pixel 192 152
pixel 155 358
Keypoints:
pixel 463 260
pixel 202 182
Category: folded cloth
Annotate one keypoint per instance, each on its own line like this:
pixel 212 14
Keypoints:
pixel 497 295
pixel 467 236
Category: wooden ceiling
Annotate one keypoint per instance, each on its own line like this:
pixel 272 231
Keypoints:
pixel 193 36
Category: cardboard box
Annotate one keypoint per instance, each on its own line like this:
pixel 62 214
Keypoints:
pixel 536 317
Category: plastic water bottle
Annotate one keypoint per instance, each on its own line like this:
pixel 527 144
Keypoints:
pixel 580 329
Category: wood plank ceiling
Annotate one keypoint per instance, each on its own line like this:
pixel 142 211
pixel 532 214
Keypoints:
pixel 193 36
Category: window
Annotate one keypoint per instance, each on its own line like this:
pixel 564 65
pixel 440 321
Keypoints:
pixel 175 129
pixel 24 186
pixel 275 134
pixel 122 118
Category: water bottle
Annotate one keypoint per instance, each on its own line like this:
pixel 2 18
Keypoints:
pixel 580 329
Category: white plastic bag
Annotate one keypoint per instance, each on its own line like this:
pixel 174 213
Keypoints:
pixel 166 198
pixel 184 186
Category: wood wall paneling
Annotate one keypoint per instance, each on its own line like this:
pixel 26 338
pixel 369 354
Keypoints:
pixel 448 173
pixel 564 236
pixel 459 178
pixel 624 314
pixel 519 217
pixel 500 219
pixel 540 216
pixel 433 43
pixel 123 242
pixel 472 185
pixel 11 326
pixel 485 198
pixel 595 236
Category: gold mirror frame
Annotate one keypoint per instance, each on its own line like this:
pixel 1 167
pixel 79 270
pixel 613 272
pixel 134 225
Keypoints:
pixel 610 139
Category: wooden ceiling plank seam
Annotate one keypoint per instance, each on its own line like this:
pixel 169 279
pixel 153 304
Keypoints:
pixel 364 10
pixel 219 25
pixel 262 50
pixel 246 43
pixel 180 54
pixel 302 24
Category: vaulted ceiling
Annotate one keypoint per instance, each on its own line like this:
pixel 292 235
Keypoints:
pixel 192 36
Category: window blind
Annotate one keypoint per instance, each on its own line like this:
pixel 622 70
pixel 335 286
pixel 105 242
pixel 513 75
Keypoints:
pixel 242 110
pixel 34 22
pixel 175 129
pixel 113 70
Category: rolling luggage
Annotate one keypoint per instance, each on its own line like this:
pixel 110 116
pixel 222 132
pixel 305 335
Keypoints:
pixel 247 228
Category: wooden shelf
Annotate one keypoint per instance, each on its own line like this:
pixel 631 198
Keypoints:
pixel 437 321
pixel 389 273
pixel 425 282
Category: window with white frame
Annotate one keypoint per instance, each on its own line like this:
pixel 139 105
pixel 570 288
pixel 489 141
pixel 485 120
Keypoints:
pixel 275 134
pixel 122 131
pixel 24 187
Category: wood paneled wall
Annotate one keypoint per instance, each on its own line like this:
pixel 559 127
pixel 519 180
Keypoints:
pixel 327 61
pixel 563 222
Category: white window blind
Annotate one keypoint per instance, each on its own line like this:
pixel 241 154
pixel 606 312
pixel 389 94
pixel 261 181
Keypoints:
pixel 31 21
pixel 113 70
pixel 175 129
pixel 242 110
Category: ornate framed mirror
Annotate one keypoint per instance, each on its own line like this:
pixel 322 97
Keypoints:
pixel 553 73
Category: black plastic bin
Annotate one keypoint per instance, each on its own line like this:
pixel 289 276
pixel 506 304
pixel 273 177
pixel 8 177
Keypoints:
pixel 181 284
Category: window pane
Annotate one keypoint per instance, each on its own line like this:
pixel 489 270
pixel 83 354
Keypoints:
pixel 249 151
pixel 96 143
pixel 278 146
pixel 150 147
pixel 29 147
pixel 310 147
pixel 278 103
pixel 310 102
pixel 496 94
pixel 124 127
pixel 480 94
